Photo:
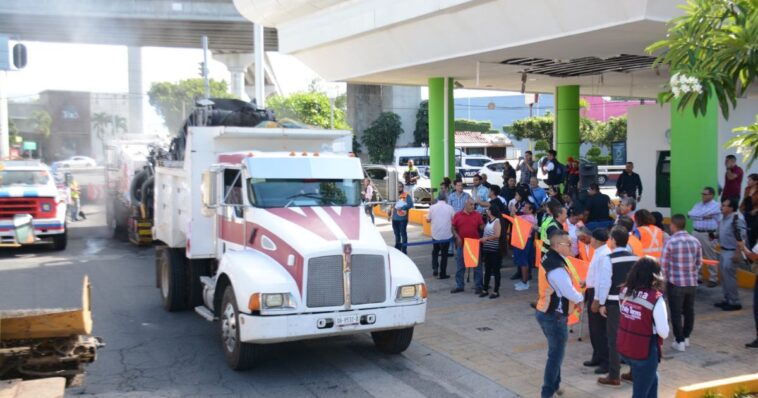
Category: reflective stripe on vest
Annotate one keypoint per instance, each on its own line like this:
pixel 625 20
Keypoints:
pixel 621 264
pixel 651 238
pixel 586 252
pixel 546 224
pixel 636 325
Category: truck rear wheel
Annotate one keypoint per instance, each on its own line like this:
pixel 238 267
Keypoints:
pixel 393 341
pixel 239 355
pixel 61 240
pixel 173 280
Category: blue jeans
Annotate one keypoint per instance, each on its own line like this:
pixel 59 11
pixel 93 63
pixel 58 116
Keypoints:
pixel 400 228
pixel 645 373
pixel 460 271
pixel 555 328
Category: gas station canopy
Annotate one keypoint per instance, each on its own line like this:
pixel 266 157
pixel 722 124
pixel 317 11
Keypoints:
pixel 485 44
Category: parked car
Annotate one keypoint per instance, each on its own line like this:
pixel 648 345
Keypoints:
pixel 75 161
pixel 378 174
pixel 494 170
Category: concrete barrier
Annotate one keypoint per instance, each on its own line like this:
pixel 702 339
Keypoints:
pixel 725 387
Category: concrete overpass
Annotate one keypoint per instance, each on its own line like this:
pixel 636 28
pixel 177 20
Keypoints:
pixel 143 23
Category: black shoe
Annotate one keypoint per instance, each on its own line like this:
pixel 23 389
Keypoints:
pixel 591 364
pixel 444 277
pixel 435 273
pixel 732 307
pixel 720 304
pixel 601 371
pixel 516 276
pixel 478 291
pixel 494 295
pixel 484 293
pixel 754 344
pixel 457 290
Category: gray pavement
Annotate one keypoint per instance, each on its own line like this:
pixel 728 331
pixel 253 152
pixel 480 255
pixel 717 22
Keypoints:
pixel 469 347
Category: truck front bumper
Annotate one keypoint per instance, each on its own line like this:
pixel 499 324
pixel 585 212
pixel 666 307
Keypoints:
pixel 42 229
pixel 278 328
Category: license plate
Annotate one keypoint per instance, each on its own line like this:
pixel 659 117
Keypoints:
pixel 346 320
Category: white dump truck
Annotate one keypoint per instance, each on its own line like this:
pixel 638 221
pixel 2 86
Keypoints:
pixel 262 230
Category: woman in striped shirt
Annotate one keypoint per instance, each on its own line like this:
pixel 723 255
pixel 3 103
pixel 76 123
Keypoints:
pixel 491 252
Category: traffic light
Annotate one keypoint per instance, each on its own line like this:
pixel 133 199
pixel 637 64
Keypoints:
pixel 19 56
pixel 202 69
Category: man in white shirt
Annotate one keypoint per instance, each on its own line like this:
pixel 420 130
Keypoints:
pixel 441 216
pixel 608 281
pixel 705 216
pixel 597 326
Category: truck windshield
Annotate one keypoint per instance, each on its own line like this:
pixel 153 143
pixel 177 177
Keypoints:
pixel 23 177
pixel 303 192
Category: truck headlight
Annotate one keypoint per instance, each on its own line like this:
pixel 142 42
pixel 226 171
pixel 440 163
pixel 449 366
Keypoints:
pixel 277 300
pixel 411 292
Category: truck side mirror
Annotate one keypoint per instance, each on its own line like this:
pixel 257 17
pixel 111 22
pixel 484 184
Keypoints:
pixel 208 193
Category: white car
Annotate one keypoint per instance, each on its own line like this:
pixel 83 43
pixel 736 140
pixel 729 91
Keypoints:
pixel 76 161
pixel 494 170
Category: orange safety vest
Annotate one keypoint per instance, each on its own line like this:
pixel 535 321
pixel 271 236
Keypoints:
pixel 586 252
pixel 636 245
pixel 651 238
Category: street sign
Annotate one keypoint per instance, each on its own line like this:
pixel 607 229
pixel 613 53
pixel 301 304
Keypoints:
pixel 29 146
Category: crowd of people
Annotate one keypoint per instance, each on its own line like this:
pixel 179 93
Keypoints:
pixel 635 266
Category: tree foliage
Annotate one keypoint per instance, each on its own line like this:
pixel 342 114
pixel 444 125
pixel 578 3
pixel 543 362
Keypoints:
pixel 481 126
pixel 421 133
pixel 175 101
pixel 605 134
pixel 714 42
pixel 312 108
pixel 12 131
pixel 106 124
pixel 541 128
pixel 42 122
pixel 381 136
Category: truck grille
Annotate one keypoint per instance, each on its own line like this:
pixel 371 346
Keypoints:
pixel 326 287
pixel 9 207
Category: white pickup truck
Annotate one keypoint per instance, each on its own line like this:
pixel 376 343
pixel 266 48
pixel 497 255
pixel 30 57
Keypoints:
pixel 28 192
pixel 264 232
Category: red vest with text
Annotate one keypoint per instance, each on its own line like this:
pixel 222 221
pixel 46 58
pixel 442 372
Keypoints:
pixel 636 325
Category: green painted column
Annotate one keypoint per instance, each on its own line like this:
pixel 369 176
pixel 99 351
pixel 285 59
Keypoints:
pixel 567 139
pixel 694 155
pixel 441 130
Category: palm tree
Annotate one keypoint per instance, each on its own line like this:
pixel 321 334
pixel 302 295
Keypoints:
pixel 119 124
pixel 100 122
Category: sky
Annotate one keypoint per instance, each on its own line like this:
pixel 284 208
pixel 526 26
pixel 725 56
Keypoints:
pixel 103 69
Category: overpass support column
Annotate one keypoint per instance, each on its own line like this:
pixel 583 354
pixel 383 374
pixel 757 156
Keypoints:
pixel 237 65
pixel 441 130
pixel 694 155
pixel 134 60
pixel 566 139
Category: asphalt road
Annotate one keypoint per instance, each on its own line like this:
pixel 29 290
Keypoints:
pixel 154 353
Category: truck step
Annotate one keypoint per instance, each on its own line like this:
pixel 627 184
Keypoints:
pixel 208 281
pixel 205 313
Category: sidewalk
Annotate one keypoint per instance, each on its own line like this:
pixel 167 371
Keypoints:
pixel 501 339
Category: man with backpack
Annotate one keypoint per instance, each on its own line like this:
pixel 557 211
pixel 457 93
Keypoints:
pixel 556 172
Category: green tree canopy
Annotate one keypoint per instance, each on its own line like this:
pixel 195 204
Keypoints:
pixel 381 136
pixel 42 122
pixel 175 101
pixel 421 133
pixel 607 133
pixel 541 128
pixel 482 126
pixel 710 51
pixel 311 108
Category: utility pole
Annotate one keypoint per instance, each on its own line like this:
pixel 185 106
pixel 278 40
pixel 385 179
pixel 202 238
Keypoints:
pixel 205 67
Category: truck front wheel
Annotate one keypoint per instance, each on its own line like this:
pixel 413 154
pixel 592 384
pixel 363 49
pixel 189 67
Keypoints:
pixel 61 240
pixel 239 355
pixel 393 341
pixel 173 280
